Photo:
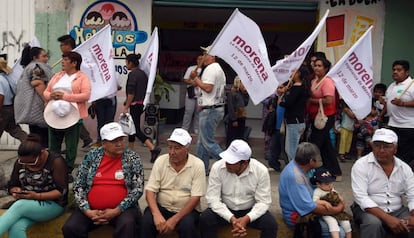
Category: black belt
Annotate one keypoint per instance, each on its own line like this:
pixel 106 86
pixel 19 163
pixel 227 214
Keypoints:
pixel 294 120
pixel 209 107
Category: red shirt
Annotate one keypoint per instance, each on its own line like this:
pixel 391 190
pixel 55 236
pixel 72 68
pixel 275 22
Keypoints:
pixel 108 186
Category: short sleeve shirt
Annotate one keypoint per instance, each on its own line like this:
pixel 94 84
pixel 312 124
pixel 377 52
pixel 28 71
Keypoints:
pixel 213 74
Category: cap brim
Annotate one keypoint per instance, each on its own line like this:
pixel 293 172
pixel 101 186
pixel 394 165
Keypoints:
pixel 229 157
pixel 115 136
pixel 58 122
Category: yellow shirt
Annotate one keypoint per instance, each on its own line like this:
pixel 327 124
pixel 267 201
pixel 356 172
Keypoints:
pixel 173 188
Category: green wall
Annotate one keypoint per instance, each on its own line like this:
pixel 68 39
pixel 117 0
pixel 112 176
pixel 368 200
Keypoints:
pixel 398 36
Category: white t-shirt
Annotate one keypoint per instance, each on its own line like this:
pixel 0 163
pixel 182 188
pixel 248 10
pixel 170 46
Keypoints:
pixel 190 69
pixel 65 83
pixel 213 74
pixel 401 117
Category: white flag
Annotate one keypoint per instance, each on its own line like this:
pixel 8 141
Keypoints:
pixel 17 68
pixel 353 76
pixel 284 68
pixel 149 63
pixel 98 63
pixel 240 43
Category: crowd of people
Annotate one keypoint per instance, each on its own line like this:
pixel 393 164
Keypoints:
pixel 110 179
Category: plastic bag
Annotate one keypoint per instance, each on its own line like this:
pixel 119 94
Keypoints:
pixel 127 124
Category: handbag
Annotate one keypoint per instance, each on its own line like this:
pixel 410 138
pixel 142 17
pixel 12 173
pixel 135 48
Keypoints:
pixel 190 92
pixel 321 118
pixel 127 124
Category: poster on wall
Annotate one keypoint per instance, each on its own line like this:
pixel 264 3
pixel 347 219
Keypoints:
pixel 130 22
pixel 347 22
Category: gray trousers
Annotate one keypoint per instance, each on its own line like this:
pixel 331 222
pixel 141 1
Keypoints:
pixel 190 114
pixel 372 226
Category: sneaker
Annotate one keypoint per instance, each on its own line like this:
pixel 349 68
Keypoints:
pixel 154 154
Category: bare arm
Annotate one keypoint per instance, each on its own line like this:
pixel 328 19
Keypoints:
pixel 204 86
pixel 39 87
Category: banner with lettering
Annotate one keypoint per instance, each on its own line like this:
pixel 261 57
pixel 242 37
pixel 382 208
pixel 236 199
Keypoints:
pixel 149 63
pixel 346 23
pixel 240 43
pixel 98 63
pixel 284 68
pixel 353 76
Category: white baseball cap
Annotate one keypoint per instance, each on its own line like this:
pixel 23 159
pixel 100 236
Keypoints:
pixel 237 151
pixel 385 135
pixel 111 131
pixel 180 136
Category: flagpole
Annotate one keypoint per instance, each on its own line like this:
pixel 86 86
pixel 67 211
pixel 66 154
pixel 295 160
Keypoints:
pixel 56 63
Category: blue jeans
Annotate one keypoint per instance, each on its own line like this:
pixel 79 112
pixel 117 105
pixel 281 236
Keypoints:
pixel 293 134
pixel 206 144
pixel 325 230
pixel 24 213
pixel 105 112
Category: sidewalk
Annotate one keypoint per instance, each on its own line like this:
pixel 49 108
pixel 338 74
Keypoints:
pixel 256 142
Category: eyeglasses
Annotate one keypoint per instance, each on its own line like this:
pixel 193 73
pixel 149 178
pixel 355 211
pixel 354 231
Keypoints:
pixel 28 164
pixel 381 145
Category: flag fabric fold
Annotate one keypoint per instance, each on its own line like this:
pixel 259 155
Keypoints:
pixel 284 68
pixel 98 63
pixel 240 43
pixel 353 76
pixel 149 63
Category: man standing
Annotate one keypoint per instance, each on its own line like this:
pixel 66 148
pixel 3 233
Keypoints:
pixel 173 192
pixel 211 101
pixel 379 180
pixel 400 108
pixel 109 183
pixel 295 189
pixel 191 112
pixel 7 121
pixel 238 193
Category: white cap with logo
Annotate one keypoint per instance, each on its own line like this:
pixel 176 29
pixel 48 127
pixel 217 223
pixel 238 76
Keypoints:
pixel 237 151
pixel 385 135
pixel 180 136
pixel 111 131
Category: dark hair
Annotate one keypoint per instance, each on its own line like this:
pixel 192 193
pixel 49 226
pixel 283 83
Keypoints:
pixel 318 54
pixel 404 63
pixel 304 75
pixel 67 40
pixel 325 62
pixel 29 53
pixel 74 57
pixel 30 147
pixel 380 87
pixel 134 58
pixel 305 152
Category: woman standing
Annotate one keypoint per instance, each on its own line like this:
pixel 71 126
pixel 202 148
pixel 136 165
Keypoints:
pixel 294 102
pixel 323 88
pixel 29 101
pixel 237 100
pixel 136 88
pixel 39 183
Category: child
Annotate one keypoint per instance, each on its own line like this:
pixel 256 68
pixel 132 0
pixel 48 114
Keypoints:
pixel 380 103
pixel 365 130
pixel 325 191
pixel 346 132
pixel 269 128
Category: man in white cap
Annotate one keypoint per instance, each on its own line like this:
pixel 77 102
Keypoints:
pixel 211 101
pixel 174 189
pixel 109 183
pixel 238 193
pixel 7 93
pixel 379 180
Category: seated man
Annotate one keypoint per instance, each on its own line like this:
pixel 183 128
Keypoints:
pixel 109 183
pixel 239 194
pixel 295 189
pixel 174 188
pixel 379 180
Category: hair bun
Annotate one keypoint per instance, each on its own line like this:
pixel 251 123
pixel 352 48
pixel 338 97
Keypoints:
pixel 138 56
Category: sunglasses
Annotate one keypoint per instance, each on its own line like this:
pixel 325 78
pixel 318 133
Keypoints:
pixel 28 164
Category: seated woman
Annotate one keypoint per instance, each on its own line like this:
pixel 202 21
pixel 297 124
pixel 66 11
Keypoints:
pixel 39 183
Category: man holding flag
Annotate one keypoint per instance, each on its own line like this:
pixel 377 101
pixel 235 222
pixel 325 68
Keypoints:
pixel 211 101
